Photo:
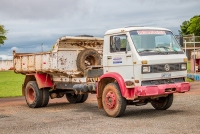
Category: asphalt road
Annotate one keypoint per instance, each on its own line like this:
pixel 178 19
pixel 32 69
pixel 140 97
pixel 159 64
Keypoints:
pixel 60 117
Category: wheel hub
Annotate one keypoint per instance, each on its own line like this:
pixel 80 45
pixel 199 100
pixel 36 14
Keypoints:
pixel 110 100
pixel 31 95
pixel 90 60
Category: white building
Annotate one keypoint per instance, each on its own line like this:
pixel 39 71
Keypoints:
pixel 6 62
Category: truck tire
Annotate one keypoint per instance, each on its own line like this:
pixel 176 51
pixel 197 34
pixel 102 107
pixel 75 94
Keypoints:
pixel 162 103
pixel 113 102
pixel 33 95
pixel 83 98
pixel 45 97
pixel 73 98
pixel 87 57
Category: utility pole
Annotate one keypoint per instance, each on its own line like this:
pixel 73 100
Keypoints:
pixel 42 47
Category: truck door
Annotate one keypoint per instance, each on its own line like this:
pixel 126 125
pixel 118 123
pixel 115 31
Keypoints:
pixel 120 57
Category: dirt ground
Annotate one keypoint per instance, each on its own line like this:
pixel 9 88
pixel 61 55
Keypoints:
pixel 61 117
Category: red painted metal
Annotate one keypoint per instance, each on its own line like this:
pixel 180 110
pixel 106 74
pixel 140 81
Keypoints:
pixel 119 80
pixel 183 87
pixel 145 91
pixel 111 100
pixel 130 93
pixel 162 89
pixel 43 80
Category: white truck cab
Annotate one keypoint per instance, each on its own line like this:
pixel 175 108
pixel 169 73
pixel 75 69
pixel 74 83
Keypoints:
pixel 144 55
pixel 141 65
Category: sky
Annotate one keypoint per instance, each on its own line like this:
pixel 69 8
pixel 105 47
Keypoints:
pixel 35 25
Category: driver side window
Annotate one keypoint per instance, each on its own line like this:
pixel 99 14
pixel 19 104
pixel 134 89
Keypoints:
pixel 119 43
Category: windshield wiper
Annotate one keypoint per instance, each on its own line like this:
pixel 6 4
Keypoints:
pixel 145 50
pixel 163 47
pixel 148 50
pixel 161 52
pixel 167 48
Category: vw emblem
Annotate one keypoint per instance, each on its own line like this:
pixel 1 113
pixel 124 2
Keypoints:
pixel 167 67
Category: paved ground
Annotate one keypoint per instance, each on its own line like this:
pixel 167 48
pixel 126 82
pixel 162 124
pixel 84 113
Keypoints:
pixel 60 117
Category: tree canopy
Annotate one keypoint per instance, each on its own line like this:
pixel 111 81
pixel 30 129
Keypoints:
pixel 2 34
pixel 191 27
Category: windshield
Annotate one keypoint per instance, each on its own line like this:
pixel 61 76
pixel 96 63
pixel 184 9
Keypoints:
pixel 155 42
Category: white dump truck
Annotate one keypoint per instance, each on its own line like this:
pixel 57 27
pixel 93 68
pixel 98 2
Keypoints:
pixel 129 66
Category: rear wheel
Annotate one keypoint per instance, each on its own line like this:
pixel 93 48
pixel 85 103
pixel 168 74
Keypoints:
pixel 162 103
pixel 45 97
pixel 84 98
pixel 113 102
pixel 73 98
pixel 33 95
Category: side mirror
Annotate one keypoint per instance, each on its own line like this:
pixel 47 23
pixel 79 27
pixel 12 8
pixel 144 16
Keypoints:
pixel 181 41
pixel 117 43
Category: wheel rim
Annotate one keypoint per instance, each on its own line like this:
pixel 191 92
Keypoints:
pixel 111 100
pixel 31 95
pixel 90 60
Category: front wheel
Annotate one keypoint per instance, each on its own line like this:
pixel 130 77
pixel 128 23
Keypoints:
pixel 114 103
pixel 162 103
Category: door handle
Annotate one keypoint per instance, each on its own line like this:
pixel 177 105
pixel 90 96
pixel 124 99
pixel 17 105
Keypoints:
pixel 128 55
pixel 109 57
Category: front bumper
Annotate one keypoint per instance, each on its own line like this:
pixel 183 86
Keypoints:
pixel 156 90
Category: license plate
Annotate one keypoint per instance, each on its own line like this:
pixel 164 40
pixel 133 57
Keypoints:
pixel 166 75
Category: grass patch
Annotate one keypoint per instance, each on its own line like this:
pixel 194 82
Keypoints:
pixel 189 80
pixel 188 66
pixel 10 84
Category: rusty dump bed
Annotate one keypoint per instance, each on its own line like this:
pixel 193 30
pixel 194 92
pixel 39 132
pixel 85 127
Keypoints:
pixel 61 60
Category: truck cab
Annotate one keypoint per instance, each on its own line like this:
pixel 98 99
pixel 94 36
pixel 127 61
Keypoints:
pixel 145 64
pixel 141 55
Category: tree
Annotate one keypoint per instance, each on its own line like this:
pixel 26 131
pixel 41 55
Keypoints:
pixel 184 28
pixel 194 25
pixel 191 27
pixel 2 34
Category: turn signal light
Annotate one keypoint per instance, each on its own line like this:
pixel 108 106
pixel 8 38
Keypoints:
pixel 185 60
pixel 144 62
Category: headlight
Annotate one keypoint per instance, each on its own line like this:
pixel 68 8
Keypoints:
pixel 183 66
pixel 146 69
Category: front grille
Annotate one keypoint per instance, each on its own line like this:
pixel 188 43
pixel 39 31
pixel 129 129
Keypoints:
pixel 158 68
pixel 161 67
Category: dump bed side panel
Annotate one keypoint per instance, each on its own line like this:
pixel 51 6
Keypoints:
pixel 28 63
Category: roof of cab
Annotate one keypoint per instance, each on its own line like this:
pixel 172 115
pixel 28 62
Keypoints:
pixel 127 29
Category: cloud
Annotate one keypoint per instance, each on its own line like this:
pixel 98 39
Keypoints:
pixel 15 49
pixel 31 23
pixel 41 10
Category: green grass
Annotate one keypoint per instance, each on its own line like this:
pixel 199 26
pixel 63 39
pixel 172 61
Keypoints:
pixel 189 70
pixel 189 80
pixel 188 67
pixel 10 84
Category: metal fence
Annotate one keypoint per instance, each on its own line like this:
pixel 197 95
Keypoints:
pixel 191 46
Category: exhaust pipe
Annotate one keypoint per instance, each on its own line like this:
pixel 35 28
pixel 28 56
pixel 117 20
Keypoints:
pixel 84 88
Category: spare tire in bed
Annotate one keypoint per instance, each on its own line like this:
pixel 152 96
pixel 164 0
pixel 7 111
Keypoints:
pixel 87 57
